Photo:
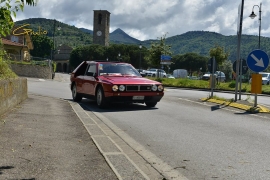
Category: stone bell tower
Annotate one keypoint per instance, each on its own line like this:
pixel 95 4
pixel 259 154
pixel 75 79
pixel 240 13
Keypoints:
pixel 101 27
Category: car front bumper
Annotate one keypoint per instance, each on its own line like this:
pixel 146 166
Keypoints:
pixel 129 97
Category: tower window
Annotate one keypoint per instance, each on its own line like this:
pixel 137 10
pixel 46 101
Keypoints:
pixel 99 18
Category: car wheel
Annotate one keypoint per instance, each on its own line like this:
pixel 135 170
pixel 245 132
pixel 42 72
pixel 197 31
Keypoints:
pixel 151 104
pixel 153 75
pixel 164 76
pixel 76 97
pixel 100 98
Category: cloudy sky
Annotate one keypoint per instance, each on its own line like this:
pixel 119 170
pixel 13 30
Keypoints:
pixel 151 19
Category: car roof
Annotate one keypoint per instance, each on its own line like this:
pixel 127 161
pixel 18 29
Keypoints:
pixel 105 61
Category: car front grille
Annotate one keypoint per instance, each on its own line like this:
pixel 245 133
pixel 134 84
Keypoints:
pixel 138 88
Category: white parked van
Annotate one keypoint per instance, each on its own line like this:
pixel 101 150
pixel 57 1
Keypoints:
pixel 265 78
pixel 180 73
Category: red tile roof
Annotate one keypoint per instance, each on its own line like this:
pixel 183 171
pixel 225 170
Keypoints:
pixel 9 42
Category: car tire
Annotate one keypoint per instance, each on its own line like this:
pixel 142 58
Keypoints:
pixel 100 98
pixel 153 75
pixel 75 95
pixel 151 104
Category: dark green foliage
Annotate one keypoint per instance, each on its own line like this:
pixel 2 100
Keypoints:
pixel 157 49
pixel 128 53
pixel 232 84
pixel 199 42
pixel 42 46
pixel 190 61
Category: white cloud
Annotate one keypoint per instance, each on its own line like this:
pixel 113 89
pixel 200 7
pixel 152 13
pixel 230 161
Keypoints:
pixel 151 19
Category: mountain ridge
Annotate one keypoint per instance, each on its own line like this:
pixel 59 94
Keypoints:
pixel 192 41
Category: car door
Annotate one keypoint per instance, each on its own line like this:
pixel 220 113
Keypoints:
pixel 79 76
pixel 90 80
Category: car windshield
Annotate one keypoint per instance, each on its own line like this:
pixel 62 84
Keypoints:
pixel 264 75
pixel 117 69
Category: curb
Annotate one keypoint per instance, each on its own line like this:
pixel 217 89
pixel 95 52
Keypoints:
pixel 248 108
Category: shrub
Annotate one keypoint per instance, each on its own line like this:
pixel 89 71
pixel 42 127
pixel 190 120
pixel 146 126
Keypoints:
pixel 5 71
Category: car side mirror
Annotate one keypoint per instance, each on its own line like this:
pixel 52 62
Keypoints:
pixel 95 74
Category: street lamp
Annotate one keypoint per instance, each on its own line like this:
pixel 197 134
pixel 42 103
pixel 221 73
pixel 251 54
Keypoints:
pixel 253 15
pixel 140 46
pixel 58 28
pixel 119 55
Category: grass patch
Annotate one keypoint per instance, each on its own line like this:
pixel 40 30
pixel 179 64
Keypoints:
pixel 200 84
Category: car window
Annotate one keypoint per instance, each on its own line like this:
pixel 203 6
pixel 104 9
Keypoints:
pixel 264 75
pixel 117 69
pixel 91 70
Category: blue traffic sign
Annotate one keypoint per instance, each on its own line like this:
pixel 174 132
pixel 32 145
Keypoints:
pixel 257 60
pixel 165 58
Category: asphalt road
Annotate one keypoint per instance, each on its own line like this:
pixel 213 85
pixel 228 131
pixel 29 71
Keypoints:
pixel 183 135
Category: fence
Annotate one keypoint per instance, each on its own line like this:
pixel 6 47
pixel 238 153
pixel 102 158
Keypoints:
pixel 29 59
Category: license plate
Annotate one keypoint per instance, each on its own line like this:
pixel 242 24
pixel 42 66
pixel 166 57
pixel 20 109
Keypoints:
pixel 138 98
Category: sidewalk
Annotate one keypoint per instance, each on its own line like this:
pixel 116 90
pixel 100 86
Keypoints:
pixel 43 139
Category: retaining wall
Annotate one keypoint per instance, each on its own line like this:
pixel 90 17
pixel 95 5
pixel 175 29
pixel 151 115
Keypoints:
pixel 12 92
pixel 35 71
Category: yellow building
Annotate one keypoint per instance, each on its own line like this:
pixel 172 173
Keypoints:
pixel 18 46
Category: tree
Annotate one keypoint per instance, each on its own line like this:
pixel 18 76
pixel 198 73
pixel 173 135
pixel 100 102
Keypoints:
pixel 190 61
pixel 86 53
pixel 128 53
pixel 156 50
pixel 226 67
pixel 219 54
pixel 8 8
pixel 42 46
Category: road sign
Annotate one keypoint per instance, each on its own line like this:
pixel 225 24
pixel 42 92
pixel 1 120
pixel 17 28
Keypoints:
pixel 244 66
pixel 165 58
pixel 210 65
pixel 257 60
pixel 166 62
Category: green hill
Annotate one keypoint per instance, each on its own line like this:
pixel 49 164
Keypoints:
pixel 194 41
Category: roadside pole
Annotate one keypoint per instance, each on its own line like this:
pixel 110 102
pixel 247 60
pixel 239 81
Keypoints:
pixel 213 78
pixel 239 33
pixel 240 86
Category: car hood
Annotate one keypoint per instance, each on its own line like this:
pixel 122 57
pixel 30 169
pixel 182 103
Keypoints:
pixel 127 80
pixel 206 75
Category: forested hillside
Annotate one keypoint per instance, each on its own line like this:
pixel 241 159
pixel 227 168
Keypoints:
pixel 201 42
pixel 194 41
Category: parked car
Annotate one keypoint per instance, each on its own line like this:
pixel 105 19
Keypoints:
pixel 170 76
pixel 153 72
pixel 193 77
pixel 265 78
pixel 112 82
pixel 220 76
pixel 142 72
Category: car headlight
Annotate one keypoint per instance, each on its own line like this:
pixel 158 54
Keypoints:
pixel 122 88
pixel 160 88
pixel 115 88
pixel 154 88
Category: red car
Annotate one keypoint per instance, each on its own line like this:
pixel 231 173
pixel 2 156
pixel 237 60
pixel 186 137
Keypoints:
pixel 110 82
